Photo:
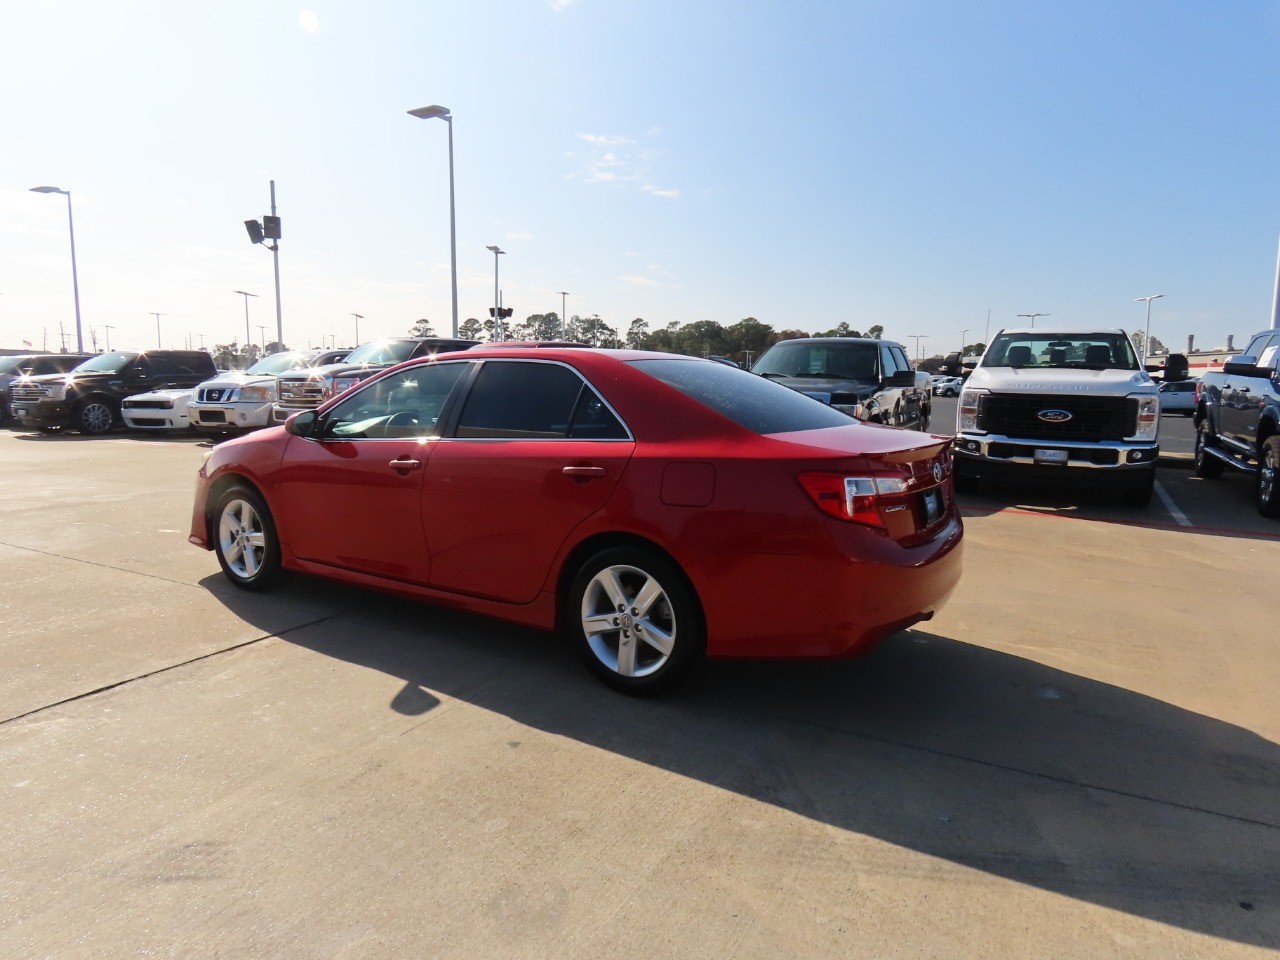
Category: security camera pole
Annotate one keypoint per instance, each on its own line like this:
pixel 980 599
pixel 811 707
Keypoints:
pixel 269 229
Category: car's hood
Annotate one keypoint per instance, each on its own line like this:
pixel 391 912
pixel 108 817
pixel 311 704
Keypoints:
pixel 237 378
pixel 163 394
pixel 1097 383
pixel 46 378
pixel 824 388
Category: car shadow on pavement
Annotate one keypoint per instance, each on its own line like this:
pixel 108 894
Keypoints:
pixel 988 762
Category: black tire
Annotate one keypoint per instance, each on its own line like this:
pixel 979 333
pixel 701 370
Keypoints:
pixel 1267 487
pixel 245 539
pixel 1138 493
pixel 95 417
pixel 636 651
pixel 1207 466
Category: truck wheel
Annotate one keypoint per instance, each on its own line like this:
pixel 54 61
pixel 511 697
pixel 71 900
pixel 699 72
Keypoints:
pixel 1267 492
pixel 1138 493
pixel 1207 466
pixel 95 417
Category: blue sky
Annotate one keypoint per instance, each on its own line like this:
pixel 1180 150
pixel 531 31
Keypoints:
pixel 908 164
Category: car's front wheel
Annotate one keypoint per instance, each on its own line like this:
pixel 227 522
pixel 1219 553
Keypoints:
pixel 1267 491
pixel 636 620
pixel 1208 466
pixel 95 417
pixel 245 540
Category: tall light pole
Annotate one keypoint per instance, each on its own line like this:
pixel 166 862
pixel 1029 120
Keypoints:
pixel 358 317
pixel 1033 317
pixel 248 337
pixel 75 281
pixel 563 319
pixel 108 327
pixel 159 345
pixel 963 334
pixel 917 337
pixel 497 306
pixel 1146 337
pixel 435 111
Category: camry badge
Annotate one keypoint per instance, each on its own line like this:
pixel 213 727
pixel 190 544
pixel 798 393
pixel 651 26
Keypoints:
pixel 1054 416
pixel 937 472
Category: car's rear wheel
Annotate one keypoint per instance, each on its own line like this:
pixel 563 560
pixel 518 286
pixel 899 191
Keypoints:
pixel 1207 465
pixel 1267 491
pixel 635 619
pixel 95 417
pixel 245 540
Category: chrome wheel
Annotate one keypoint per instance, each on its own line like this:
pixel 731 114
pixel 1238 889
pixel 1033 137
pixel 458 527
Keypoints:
pixel 1268 490
pixel 96 417
pixel 242 539
pixel 629 621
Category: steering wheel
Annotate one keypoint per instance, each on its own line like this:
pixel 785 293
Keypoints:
pixel 404 418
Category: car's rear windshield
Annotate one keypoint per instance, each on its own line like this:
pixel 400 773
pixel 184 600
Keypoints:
pixel 107 363
pixel 855 360
pixel 382 352
pixel 1084 351
pixel 755 403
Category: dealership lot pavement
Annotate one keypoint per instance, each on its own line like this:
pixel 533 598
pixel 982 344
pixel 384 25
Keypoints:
pixel 1077 757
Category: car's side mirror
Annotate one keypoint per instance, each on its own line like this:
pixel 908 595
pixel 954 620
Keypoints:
pixel 902 378
pixel 301 424
pixel 1245 367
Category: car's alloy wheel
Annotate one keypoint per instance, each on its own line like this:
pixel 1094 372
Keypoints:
pixel 1268 488
pixel 245 539
pixel 1208 466
pixel 636 620
pixel 95 417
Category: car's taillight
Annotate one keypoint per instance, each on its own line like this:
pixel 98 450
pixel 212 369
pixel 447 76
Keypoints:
pixel 856 499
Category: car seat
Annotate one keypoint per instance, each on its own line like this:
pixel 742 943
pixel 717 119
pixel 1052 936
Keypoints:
pixel 1097 353
pixel 1019 356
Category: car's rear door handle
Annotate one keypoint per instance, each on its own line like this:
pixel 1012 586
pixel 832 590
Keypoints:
pixel 583 471
pixel 404 466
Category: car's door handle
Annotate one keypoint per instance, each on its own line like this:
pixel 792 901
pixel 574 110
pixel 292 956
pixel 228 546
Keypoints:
pixel 404 466
pixel 583 471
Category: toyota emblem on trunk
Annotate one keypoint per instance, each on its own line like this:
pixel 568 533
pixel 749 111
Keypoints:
pixel 1054 416
pixel 937 472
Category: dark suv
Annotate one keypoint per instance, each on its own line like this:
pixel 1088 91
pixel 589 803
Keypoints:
pixel 88 398
pixel 13 368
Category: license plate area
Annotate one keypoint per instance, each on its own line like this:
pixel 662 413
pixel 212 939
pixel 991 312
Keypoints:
pixel 213 416
pixel 932 506
pixel 1051 457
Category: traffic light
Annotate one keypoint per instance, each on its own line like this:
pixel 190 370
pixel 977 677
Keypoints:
pixel 271 227
pixel 255 229
pixel 504 312
pixel 491 312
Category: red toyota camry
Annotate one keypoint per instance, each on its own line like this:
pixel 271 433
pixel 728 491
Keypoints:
pixel 656 508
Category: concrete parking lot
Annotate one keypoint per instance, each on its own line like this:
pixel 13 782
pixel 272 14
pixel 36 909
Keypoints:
pixel 1077 757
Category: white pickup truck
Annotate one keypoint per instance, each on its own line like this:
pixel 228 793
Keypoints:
pixel 1060 405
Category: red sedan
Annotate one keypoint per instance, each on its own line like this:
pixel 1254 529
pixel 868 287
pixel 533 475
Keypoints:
pixel 656 508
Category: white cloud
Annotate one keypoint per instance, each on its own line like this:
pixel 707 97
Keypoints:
pixel 635 281
pixel 622 160
pixel 660 192
pixel 310 22
pixel 559 6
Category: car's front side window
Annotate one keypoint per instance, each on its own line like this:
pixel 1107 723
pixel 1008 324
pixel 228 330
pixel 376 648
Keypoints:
pixel 408 404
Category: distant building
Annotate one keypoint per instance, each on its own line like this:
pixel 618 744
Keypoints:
pixel 1203 361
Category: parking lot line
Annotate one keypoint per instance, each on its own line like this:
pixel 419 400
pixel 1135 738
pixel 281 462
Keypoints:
pixel 1144 524
pixel 1172 507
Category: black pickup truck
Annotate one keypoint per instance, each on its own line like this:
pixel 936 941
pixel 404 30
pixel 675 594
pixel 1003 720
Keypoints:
pixel 1237 420
pixel 870 380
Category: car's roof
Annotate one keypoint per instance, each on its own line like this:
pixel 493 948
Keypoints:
pixel 893 343
pixel 1061 331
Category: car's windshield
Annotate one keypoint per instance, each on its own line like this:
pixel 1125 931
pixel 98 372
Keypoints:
pixel 1080 351
pixel 107 363
pixel 382 352
pixel 279 362
pixel 13 364
pixel 855 360
pixel 752 402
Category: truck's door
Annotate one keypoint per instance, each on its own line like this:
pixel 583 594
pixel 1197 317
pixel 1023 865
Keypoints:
pixel 1243 396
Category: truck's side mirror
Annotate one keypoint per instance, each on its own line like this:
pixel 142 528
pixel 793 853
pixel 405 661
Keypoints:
pixel 1176 367
pixel 1245 367
pixel 951 365
pixel 903 378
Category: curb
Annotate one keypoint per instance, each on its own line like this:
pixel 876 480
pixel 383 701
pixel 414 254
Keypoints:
pixel 1177 461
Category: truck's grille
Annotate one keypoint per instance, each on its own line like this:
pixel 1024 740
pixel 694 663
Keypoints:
pixel 213 394
pixel 28 393
pixel 1092 418
pixel 301 393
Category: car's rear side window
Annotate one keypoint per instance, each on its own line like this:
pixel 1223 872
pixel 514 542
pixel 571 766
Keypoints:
pixel 751 401
pixel 530 400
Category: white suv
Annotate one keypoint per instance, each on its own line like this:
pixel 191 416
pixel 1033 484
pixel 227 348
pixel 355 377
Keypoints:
pixel 242 399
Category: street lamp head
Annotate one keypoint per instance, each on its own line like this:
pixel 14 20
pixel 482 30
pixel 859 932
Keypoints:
pixel 244 293
pixel 435 110
pixel 494 250
pixel 1154 296
pixel 50 190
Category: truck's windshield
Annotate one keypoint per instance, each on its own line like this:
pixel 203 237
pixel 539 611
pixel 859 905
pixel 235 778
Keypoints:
pixel 855 360
pixel 385 352
pixel 1080 351
pixel 107 363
